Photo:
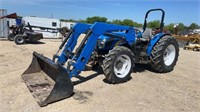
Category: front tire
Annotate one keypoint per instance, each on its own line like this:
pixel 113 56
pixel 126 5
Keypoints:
pixel 164 55
pixel 11 37
pixel 118 65
pixel 19 39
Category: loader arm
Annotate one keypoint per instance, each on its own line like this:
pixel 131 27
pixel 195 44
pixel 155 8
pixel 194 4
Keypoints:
pixel 70 42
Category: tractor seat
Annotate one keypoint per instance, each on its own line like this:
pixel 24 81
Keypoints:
pixel 146 35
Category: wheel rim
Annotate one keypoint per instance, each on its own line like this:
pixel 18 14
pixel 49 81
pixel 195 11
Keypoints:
pixel 169 55
pixel 20 40
pixel 122 66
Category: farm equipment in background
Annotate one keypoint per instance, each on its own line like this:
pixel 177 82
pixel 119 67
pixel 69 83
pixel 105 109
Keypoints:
pixel 20 34
pixel 115 48
pixel 194 47
pixel 193 42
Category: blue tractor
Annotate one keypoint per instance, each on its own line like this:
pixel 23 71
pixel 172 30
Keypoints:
pixel 115 48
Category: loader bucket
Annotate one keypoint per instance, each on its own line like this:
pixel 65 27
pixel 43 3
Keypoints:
pixel 47 81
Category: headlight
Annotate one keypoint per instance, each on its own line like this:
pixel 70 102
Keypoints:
pixel 101 43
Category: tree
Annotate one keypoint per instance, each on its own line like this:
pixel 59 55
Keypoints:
pixel 193 26
pixel 153 24
pixel 127 22
pixel 71 20
pixel 119 22
pixel 181 27
pixel 96 19
pixel 135 24
pixel 81 21
pixel 170 28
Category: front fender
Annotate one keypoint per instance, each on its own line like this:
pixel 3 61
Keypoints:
pixel 153 41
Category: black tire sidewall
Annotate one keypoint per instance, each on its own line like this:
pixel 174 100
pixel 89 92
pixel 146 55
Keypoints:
pixel 11 37
pixel 16 39
pixel 157 55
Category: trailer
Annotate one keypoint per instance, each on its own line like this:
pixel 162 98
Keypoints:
pixel 66 24
pixel 47 26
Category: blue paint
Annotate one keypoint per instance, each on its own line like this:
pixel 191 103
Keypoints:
pixel 18 21
pixel 153 41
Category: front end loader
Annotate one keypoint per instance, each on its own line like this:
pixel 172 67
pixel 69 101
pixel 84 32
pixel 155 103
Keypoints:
pixel 115 48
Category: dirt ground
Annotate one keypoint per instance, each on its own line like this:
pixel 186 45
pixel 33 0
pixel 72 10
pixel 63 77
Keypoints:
pixel 147 91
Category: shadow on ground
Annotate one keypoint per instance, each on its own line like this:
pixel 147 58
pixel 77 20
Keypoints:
pixel 138 68
pixel 85 79
pixel 36 42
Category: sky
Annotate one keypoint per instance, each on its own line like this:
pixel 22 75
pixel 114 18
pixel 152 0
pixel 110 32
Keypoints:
pixel 176 11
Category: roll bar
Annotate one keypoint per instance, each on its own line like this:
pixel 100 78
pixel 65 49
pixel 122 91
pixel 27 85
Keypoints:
pixel 162 19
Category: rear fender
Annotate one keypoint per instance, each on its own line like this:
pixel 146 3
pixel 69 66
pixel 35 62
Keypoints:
pixel 153 41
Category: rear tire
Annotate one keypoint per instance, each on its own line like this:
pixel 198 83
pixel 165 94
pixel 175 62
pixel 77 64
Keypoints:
pixel 118 65
pixel 164 55
pixel 11 37
pixel 19 39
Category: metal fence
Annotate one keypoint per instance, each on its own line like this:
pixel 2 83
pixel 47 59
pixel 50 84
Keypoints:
pixel 3 24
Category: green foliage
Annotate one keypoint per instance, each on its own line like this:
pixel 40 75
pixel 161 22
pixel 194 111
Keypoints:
pixel 153 24
pixel 119 22
pixel 181 27
pixel 96 19
pixel 128 22
pixel 170 28
pixel 135 24
pixel 69 20
pixel 81 21
pixel 193 26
